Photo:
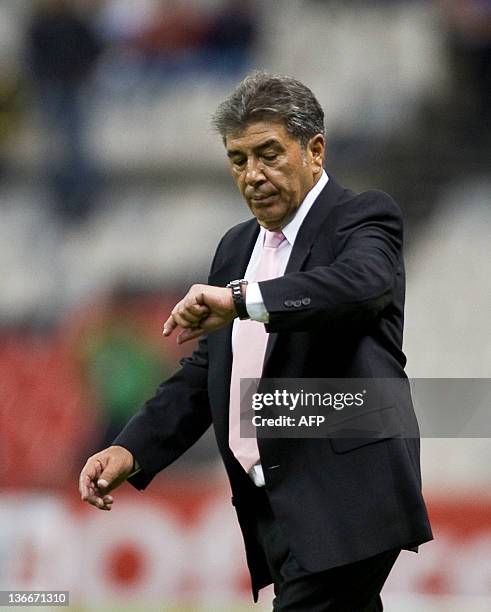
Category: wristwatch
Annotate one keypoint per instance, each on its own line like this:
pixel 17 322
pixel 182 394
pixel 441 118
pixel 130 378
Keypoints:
pixel 238 297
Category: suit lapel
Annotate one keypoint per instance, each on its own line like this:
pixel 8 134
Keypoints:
pixel 312 224
pixel 306 237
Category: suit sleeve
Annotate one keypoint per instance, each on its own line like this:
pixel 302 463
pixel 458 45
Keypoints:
pixel 171 421
pixel 367 236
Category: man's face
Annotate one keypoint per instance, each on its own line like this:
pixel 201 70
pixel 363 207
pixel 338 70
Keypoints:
pixel 273 171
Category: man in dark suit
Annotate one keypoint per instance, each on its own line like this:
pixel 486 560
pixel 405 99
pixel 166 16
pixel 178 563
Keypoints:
pixel 311 287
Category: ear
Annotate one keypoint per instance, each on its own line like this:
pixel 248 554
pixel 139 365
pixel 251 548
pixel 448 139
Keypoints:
pixel 316 148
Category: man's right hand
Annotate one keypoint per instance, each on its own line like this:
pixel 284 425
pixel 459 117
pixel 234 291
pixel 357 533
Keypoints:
pixel 102 473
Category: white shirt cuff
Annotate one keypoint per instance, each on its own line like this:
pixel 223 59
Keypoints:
pixel 255 304
pixel 136 469
pixel 257 475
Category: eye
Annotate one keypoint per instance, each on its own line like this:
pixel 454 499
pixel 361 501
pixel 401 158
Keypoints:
pixel 270 156
pixel 238 162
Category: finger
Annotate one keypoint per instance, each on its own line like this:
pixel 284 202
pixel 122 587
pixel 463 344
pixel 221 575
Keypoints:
pixel 102 502
pixel 107 480
pixel 88 476
pixel 95 500
pixel 101 505
pixel 84 486
pixel 194 313
pixel 86 489
pixel 185 321
pixel 199 297
pixel 199 310
pixel 190 334
pixel 169 326
pixel 186 313
pixel 178 316
pixel 186 318
pixel 105 484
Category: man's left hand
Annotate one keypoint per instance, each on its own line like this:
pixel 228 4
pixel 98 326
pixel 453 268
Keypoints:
pixel 203 309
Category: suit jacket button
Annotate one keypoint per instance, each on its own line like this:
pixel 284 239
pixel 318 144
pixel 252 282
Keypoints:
pixel 306 301
pixel 288 303
pixel 297 303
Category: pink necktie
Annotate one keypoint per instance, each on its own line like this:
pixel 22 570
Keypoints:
pixel 250 339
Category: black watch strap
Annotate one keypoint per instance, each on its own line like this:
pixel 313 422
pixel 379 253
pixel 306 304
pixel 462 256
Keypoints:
pixel 238 297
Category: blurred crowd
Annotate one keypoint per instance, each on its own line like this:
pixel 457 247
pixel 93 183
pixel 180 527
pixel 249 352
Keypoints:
pixel 71 51
pixel 143 46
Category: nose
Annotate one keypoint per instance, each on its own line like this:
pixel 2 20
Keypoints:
pixel 254 173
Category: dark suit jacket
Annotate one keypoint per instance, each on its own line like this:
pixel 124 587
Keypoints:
pixel 338 500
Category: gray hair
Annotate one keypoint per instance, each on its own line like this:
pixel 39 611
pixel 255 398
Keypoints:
pixel 262 96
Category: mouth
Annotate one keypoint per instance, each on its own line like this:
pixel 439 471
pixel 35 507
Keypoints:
pixel 262 200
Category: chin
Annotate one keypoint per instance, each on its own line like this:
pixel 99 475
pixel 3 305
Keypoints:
pixel 269 222
pixel 270 225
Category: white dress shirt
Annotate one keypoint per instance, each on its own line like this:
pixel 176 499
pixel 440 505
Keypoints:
pixel 254 300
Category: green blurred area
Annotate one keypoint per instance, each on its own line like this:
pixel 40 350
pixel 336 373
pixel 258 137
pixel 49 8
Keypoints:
pixel 123 369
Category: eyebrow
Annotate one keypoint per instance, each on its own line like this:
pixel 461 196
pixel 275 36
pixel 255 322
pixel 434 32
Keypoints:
pixel 264 145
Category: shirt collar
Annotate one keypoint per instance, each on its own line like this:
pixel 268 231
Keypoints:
pixel 290 230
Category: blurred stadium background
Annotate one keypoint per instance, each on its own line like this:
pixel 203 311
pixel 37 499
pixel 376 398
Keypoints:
pixel 113 195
